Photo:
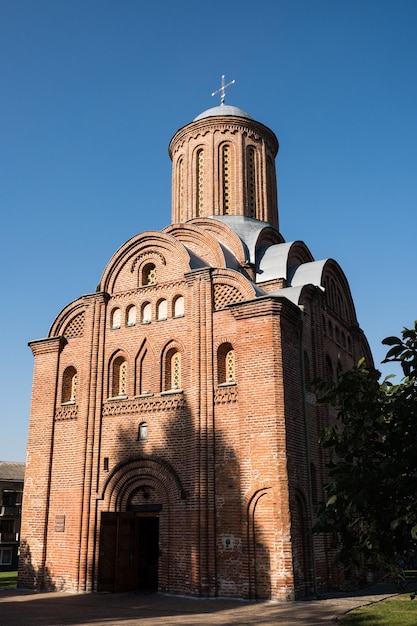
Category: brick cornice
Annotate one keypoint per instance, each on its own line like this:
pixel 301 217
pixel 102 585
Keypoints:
pixel 47 346
pixel 222 124
pixel 266 306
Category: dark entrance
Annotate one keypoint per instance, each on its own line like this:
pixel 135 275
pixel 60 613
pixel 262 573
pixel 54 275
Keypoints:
pixel 129 551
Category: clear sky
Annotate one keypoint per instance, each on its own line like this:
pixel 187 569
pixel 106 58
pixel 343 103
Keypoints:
pixel 92 92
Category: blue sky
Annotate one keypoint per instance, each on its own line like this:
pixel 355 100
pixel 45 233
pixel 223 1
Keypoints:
pixel 92 92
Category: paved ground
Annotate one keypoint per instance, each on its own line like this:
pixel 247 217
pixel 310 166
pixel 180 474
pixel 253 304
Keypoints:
pixel 27 608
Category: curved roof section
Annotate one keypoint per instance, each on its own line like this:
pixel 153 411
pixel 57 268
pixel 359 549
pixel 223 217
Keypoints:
pixel 247 229
pixel 309 273
pixel 223 109
pixel 273 262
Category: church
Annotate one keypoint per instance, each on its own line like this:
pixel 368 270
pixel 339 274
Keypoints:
pixel 173 436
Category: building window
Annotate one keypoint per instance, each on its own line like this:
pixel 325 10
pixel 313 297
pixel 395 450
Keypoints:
pixel 330 330
pixel 11 499
pixel 162 310
pixel 313 476
pixel 116 318
pixel 131 316
pixel 149 274
pixel 173 370
pixel 69 385
pixel 143 431
pixel 307 372
pixel 119 379
pixel 226 178
pixel 181 189
pixel 178 306
pixel 7 526
pixel 251 182
pixel 146 313
pixel 5 556
pixel 329 370
pixel 176 371
pixel 200 182
pixel 226 364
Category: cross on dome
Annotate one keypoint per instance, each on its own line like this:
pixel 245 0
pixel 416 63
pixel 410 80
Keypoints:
pixel 222 89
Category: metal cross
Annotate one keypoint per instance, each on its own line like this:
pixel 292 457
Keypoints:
pixel 222 89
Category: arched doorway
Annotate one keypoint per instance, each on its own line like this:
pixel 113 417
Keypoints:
pixel 139 499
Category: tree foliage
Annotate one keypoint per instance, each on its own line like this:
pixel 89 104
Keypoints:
pixel 371 494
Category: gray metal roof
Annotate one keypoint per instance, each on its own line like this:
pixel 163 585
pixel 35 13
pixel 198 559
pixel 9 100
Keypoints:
pixel 309 274
pixel 291 293
pixel 12 471
pixel 223 109
pixel 247 229
pixel 272 261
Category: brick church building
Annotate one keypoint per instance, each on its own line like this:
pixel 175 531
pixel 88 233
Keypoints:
pixel 173 429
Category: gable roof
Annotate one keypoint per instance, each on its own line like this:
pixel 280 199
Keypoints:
pixel 12 471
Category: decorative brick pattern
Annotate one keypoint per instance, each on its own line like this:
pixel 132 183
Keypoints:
pixel 76 327
pixel 69 412
pixel 225 394
pixel 225 295
pixel 171 402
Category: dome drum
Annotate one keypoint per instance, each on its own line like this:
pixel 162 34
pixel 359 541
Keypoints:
pixel 224 165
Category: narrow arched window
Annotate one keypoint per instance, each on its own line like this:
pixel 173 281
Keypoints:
pixel 119 378
pixel 226 364
pixel 251 182
pixel 313 477
pixel 116 318
pixel 180 189
pixel 226 173
pixel 330 330
pixel 172 370
pixel 149 274
pixel 143 431
pixel 329 370
pixel 162 310
pixel 69 385
pixel 200 182
pixel 339 370
pixel 146 313
pixel 307 372
pixel 131 316
pixel 176 370
pixel 179 306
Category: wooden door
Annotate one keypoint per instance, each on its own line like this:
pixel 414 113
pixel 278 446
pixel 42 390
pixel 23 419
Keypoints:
pixel 107 552
pixel 129 552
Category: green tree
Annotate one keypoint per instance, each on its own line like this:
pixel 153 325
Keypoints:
pixel 370 506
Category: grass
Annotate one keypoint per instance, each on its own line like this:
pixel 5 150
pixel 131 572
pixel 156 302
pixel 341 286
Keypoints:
pixel 396 611
pixel 8 579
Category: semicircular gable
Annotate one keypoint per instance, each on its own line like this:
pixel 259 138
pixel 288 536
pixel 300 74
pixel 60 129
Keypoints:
pixel 268 237
pixel 230 287
pixel 328 275
pixel 168 254
pixel 337 292
pixel 70 321
pixel 202 244
pixel 299 254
